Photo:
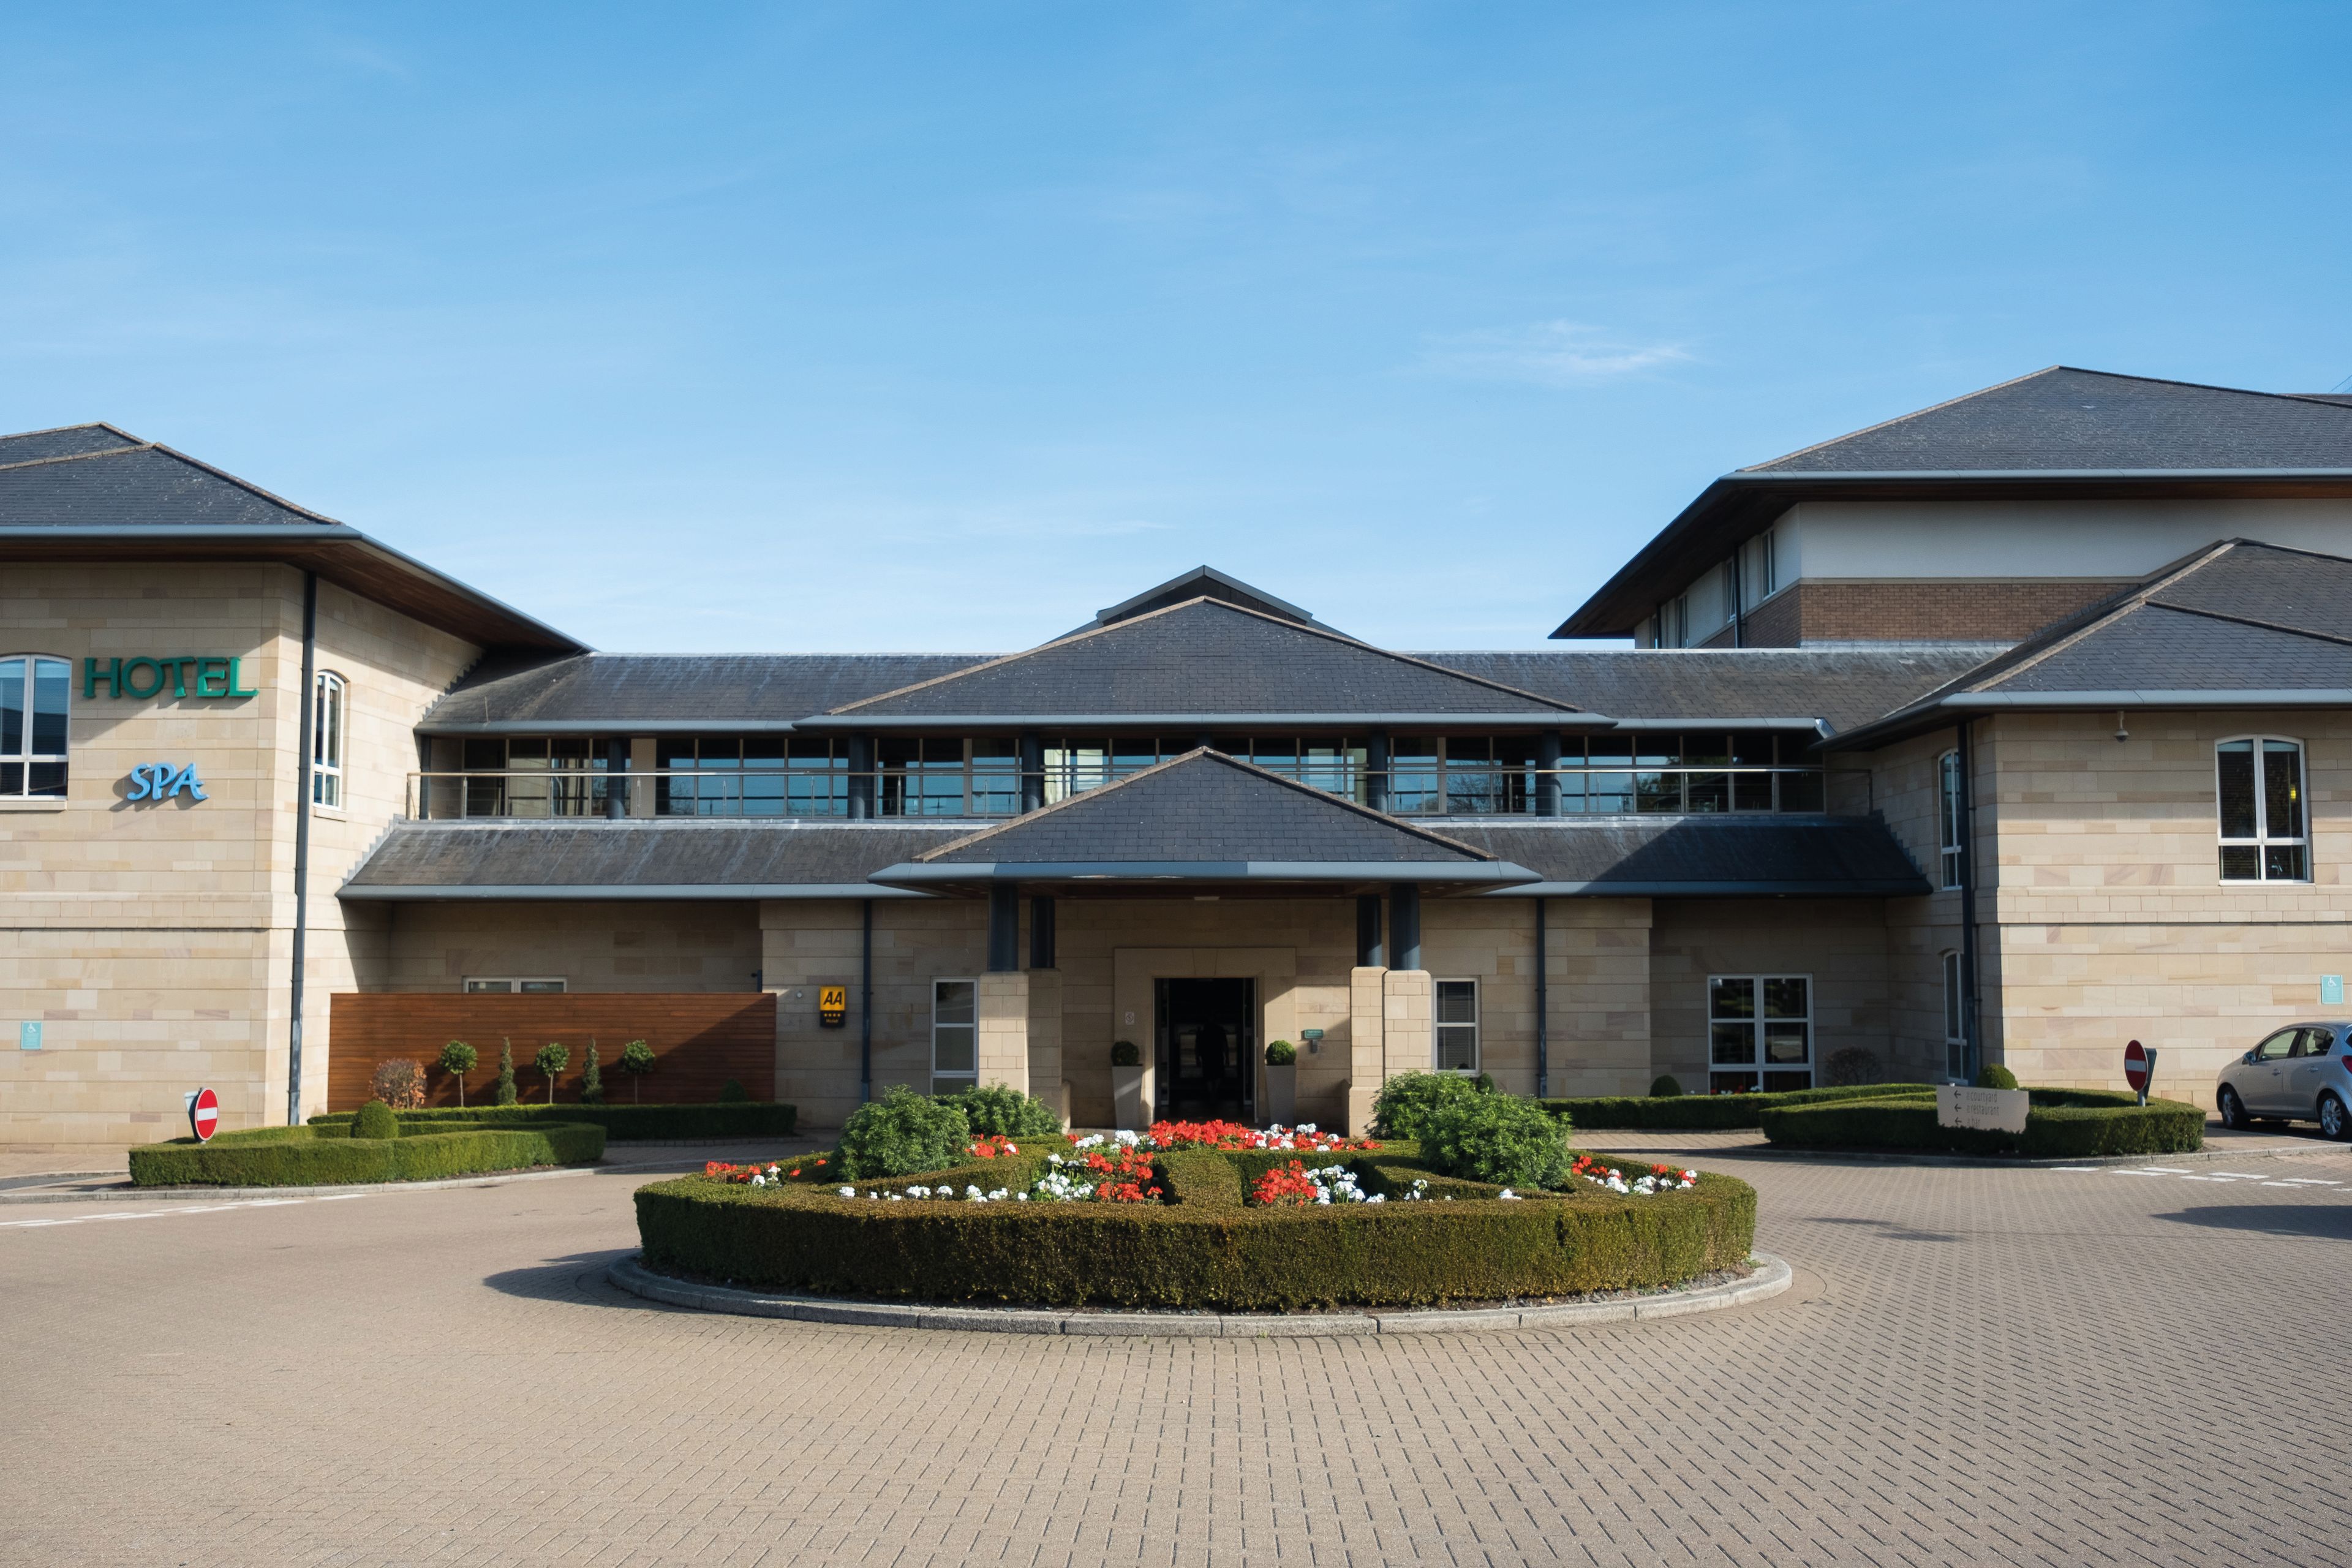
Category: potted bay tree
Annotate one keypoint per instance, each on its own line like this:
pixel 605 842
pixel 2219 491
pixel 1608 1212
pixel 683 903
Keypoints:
pixel 1126 1086
pixel 1281 1083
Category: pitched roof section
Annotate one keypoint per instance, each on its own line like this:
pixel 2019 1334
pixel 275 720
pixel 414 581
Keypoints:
pixel 1838 687
pixel 650 694
pixel 1204 583
pixel 634 860
pixel 1201 661
pixel 67 441
pixel 1204 816
pixel 145 486
pixel 1682 857
pixel 2240 624
pixel 2062 418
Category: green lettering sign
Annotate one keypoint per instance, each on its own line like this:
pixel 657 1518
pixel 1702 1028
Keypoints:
pixel 216 675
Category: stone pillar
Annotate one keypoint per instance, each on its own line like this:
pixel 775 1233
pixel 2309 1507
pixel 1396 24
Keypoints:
pixel 1408 1026
pixel 1045 1080
pixel 1003 1043
pixel 1365 1062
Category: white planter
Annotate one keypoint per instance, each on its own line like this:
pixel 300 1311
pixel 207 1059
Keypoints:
pixel 1126 1097
pixel 1281 1094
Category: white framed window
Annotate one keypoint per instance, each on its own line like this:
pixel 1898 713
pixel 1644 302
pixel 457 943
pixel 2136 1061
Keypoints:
pixel 513 986
pixel 1956 1019
pixel 1457 1025
pixel 1949 841
pixel 2258 786
pixel 1759 1032
pixel 955 1036
pixel 329 698
pixel 34 693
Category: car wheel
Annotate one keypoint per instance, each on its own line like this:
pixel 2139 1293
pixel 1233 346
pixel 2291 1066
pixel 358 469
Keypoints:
pixel 2333 1123
pixel 2233 1111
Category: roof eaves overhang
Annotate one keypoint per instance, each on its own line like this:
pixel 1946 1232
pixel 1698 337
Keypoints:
pixel 1868 888
pixel 333 550
pixel 976 872
pixel 675 892
pixel 1741 504
pixel 852 724
pixel 1945 712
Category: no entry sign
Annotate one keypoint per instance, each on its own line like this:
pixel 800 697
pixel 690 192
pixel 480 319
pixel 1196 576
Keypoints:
pixel 2140 1063
pixel 203 1114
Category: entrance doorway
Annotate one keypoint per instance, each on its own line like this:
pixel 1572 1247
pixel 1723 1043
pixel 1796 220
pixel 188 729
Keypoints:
pixel 1207 1048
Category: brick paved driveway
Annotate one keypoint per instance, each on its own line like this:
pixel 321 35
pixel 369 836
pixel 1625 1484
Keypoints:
pixel 1975 1367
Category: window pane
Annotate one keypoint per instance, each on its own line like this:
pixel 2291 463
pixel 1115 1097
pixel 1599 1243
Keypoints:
pixel 1783 1082
pixel 1609 792
pixel 12 778
pixel 952 1002
pixel 1801 791
pixel 2241 863
pixel 1752 748
pixel 49 684
pixel 952 1048
pixel 44 779
pixel 12 710
pixel 1731 998
pixel 2282 789
pixel 1732 1043
pixel 1458 1002
pixel 1457 1049
pixel 1729 1082
pixel 1952 996
pixel 1751 792
pixel 2281 862
pixel 1658 791
pixel 1707 750
pixel 2237 784
pixel 485 987
pixel 953 1085
pixel 1709 792
pixel 1785 1044
pixel 1785 999
pixel 540 987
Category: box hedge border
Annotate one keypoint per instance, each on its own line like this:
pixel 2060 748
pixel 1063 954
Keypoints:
pixel 622 1123
pixel 1204 1248
pixel 2061 1124
pixel 1707 1112
pixel 330 1156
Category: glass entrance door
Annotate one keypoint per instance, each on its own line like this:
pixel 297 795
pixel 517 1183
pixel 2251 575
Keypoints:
pixel 1207 1050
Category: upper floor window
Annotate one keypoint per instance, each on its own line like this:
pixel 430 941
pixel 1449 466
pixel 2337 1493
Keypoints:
pixel 1457 1025
pixel 1949 843
pixel 2263 833
pixel 327 718
pixel 32 693
pixel 1767 566
pixel 510 985
pixel 955 1036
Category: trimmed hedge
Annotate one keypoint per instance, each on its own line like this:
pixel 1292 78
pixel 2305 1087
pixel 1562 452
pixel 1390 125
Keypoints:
pixel 1204 1247
pixel 330 1156
pixel 1709 1112
pixel 2059 1124
pixel 622 1123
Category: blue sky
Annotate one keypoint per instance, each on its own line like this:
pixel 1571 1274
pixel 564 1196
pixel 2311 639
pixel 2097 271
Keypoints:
pixel 941 326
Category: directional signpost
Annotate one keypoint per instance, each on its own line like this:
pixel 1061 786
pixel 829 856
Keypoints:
pixel 2139 1066
pixel 203 1114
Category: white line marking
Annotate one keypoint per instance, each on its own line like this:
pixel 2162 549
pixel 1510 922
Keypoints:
pixel 2242 1176
pixel 2075 1167
pixel 2288 1185
pixel 2223 1180
pixel 341 1197
pixel 2311 1182
pixel 2143 1172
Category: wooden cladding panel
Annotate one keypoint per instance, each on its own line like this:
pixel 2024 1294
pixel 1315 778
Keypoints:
pixel 700 1039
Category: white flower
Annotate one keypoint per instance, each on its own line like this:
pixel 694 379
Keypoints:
pixel 758 1180
pixel 1509 1196
pixel 1013 1148
pixel 1125 1137
pixel 1094 1140
pixel 918 1192
pixel 1378 1198
pixel 974 1195
pixel 848 1192
pixel 1020 1197
pixel 997 1196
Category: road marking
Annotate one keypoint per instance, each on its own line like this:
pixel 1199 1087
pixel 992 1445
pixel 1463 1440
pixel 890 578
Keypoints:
pixel 2289 1185
pixel 2242 1176
pixel 341 1197
pixel 2223 1180
pixel 2312 1182
pixel 2076 1167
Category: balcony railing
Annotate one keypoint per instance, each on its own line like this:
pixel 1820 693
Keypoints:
pixel 987 792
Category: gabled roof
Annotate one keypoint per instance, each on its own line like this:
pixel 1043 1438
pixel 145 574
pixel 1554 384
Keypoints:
pixel 1202 583
pixel 2239 624
pixel 1701 856
pixel 1202 663
pixel 66 441
pixel 1797 686
pixel 660 693
pixel 113 480
pixel 668 857
pixel 1204 817
pixel 2060 433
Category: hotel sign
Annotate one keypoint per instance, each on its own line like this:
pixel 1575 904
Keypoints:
pixel 187 674
pixel 833 1006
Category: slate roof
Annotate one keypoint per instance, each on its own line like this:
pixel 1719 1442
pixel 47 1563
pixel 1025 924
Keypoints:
pixel 144 485
pixel 636 858
pixel 2238 623
pixel 644 693
pixel 2066 418
pixel 1203 659
pixel 1695 857
pixel 1207 815
pixel 1841 687
pixel 68 441
pixel 1202 583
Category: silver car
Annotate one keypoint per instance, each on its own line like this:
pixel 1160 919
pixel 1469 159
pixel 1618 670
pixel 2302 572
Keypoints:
pixel 2302 1073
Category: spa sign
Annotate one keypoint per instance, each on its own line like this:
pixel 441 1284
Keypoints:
pixel 187 674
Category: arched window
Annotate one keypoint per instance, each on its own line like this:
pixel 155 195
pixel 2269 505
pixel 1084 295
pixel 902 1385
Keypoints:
pixel 328 703
pixel 2258 786
pixel 33 690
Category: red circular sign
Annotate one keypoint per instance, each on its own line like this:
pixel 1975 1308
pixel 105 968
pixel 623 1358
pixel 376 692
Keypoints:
pixel 2136 1066
pixel 203 1114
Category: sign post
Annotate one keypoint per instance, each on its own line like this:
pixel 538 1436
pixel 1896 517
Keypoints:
pixel 2139 1069
pixel 203 1114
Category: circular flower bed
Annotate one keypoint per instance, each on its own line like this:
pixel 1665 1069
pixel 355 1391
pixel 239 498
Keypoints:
pixel 1195 1216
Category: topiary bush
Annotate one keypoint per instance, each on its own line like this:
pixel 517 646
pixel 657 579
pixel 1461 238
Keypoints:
pixel 1498 1139
pixel 375 1120
pixel 302 1156
pixel 1281 1054
pixel 1993 1076
pixel 1123 1053
pixel 1666 1086
pixel 901 1133
pixel 637 1060
pixel 1854 1065
pixel 1405 1103
pixel 2062 1124
pixel 553 1058
pixel 505 1092
pixel 1001 1109
pixel 731 1093
pixel 592 1080
pixel 457 1059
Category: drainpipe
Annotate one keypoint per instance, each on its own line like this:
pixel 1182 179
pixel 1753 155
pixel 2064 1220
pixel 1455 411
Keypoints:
pixel 865 1009
pixel 302 846
pixel 1972 1050
pixel 1543 1006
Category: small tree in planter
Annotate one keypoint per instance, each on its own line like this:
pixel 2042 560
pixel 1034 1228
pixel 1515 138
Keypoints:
pixel 553 1058
pixel 505 1092
pixel 1126 1086
pixel 457 1059
pixel 637 1060
pixel 591 1082
pixel 1281 1083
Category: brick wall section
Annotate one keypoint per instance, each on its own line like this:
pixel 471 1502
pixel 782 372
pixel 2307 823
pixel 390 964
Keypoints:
pixel 1929 612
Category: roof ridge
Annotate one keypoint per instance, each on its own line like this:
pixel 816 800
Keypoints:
pixel 847 709
pixel 2340 639
pixel 2101 614
pixel 1211 754
pixel 74 457
pixel 1900 418
pixel 2195 386
pixel 84 424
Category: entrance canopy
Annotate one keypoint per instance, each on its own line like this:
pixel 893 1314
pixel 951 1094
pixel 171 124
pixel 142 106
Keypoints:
pixel 1204 817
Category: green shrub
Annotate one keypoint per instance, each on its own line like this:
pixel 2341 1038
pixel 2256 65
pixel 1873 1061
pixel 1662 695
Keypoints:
pixel 1123 1053
pixel 551 1059
pixel 1406 1101
pixel 1202 1248
pixel 2061 1124
pixel 637 1060
pixel 375 1120
pixel 1708 1113
pixel 622 1123
pixel 1994 1076
pixel 1001 1109
pixel 901 1133
pixel 731 1093
pixel 1484 1082
pixel 1498 1139
pixel 1666 1086
pixel 329 1156
pixel 591 1081
pixel 1281 1054
pixel 457 1059
pixel 505 1093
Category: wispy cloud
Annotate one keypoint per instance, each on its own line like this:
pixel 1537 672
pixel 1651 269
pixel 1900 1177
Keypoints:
pixel 1548 354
